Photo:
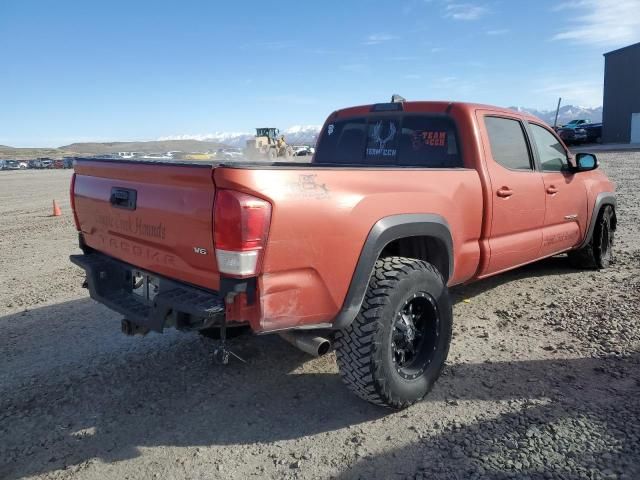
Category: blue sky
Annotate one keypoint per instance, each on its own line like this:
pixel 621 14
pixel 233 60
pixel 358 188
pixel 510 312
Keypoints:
pixel 141 70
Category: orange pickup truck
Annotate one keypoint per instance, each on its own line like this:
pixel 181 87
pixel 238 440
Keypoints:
pixel 356 248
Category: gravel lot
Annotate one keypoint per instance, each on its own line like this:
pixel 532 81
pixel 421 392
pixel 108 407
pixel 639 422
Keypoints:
pixel 543 379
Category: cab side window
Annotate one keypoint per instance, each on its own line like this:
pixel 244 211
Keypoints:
pixel 553 157
pixel 508 143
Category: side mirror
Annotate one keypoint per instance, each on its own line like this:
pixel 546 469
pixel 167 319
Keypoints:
pixel 585 162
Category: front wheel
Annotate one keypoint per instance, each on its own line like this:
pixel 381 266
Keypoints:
pixel 394 351
pixel 598 253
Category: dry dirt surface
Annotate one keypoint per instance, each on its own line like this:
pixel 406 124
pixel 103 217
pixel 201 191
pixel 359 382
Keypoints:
pixel 542 382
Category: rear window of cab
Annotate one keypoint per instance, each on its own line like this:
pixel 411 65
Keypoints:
pixel 427 141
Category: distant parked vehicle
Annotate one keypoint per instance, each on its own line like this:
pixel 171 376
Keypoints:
pixel 303 151
pixel 12 165
pixel 594 133
pixel 68 162
pixel 41 163
pixel 572 135
pixel 228 154
pixel 2 165
pixel 23 165
pixel 577 123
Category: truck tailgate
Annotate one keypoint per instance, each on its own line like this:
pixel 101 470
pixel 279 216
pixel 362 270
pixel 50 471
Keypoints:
pixel 157 217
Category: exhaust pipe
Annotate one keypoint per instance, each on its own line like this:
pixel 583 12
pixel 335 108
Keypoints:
pixel 308 342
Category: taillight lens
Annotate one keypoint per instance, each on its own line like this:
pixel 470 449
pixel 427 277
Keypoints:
pixel 241 225
pixel 72 197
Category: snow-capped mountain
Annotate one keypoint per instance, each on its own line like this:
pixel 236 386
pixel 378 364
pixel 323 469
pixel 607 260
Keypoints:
pixel 295 135
pixel 233 139
pixel 308 134
pixel 565 115
pixel 302 134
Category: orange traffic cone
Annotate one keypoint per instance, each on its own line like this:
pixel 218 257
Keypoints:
pixel 56 210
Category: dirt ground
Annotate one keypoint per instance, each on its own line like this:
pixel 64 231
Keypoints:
pixel 543 378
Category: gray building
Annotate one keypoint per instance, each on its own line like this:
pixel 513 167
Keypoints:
pixel 621 104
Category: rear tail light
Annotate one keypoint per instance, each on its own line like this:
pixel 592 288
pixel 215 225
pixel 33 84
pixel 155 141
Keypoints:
pixel 72 197
pixel 241 225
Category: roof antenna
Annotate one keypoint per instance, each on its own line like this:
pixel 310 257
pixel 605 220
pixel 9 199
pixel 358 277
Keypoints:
pixel 395 98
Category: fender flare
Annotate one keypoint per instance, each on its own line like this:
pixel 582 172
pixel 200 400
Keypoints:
pixel 603 198
pixel 385 231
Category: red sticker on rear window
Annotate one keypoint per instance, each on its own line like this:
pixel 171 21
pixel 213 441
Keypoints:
pixel 429 138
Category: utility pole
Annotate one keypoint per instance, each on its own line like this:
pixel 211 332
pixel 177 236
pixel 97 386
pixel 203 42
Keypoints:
pixel 555 122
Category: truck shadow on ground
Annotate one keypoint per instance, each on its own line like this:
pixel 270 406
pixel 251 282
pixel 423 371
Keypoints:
pixel 549 267
pixel 73 388
pixel 576 429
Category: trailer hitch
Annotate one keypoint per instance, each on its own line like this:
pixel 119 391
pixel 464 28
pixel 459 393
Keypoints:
pixel 221 354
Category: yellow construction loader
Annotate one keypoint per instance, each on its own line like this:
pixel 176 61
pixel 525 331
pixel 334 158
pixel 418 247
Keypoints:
pixel 268 143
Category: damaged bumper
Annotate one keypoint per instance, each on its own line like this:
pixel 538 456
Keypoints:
pixel 170 303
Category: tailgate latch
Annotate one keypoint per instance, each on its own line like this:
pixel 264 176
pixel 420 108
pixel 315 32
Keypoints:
pixel 123 198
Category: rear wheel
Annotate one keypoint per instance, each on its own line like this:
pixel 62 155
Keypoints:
pixel 395 349
pixel 598 253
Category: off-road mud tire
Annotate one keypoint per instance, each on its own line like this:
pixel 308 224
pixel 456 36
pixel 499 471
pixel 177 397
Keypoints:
pixel 598 253
pixel 363 349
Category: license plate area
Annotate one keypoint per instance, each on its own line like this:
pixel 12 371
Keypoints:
pixel 144 286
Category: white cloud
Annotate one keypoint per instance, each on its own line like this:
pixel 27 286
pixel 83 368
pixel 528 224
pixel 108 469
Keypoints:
pixel 378 38
pixel 404 58
pixel 354 67
pixel 604 23
pixel 465 11
pixel 580 92
pixel 274 45
pixel 500 31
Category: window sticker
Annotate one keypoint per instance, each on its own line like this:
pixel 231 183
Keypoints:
pixel 378 140
pixel 330 129
pixel 429 138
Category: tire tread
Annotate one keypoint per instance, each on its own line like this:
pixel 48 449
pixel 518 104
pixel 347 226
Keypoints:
pixel 355 344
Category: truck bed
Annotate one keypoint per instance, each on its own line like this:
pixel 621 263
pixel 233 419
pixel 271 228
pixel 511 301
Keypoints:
pixel 316 210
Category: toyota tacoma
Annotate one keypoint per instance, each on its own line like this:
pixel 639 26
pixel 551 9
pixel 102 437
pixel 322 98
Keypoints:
pixel 358 247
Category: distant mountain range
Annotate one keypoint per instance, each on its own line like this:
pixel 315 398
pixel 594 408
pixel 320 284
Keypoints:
pixel 296 135
pixel 308 134
pixel 565 115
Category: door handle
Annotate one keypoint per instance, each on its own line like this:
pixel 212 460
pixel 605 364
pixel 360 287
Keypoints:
pixel 123 198
pixel 551 190
pixel 504 192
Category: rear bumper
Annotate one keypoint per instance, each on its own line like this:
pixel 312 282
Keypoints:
pixel 176 304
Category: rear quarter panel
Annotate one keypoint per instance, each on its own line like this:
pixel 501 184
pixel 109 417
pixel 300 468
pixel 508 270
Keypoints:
pixel 321 218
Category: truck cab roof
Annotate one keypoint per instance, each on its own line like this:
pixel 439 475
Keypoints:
pixel 436 106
